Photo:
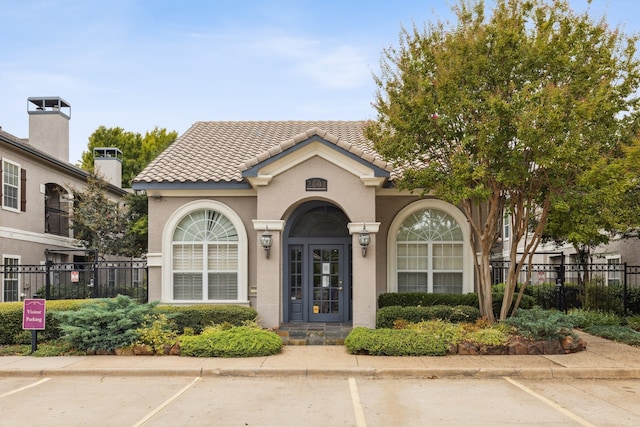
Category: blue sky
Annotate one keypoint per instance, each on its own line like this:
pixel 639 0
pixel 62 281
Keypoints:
pixel 138 64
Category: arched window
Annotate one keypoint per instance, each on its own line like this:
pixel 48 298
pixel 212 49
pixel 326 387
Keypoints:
pixel 429 251
pixel 205 257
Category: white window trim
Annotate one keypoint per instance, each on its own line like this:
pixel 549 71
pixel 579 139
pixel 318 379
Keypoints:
pixel 167 252
pixel 20 290
pixel 506 227
pixel 617 273
pixel 456 214
pixel 8 208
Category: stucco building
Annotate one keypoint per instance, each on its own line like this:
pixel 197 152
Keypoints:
pixel 37 193
pixel 275 214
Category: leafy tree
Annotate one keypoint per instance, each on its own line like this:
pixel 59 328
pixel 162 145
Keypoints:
pixel 110 227
pixel 138 151
pixel 505 113
pixel 603 203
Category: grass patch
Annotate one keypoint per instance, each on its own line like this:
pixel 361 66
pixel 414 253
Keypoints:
pixel 44 349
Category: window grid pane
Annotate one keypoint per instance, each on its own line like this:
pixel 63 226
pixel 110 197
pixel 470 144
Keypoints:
pixel 205 257
pixel 429 246
pixel 413 282
pixel 447 283
pixel 187 286
pixel 10 280
pixel 223 286
pixel 10 185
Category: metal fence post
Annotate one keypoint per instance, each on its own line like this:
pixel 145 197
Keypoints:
pixel 625 291
pixel 560 286
pixel 47 279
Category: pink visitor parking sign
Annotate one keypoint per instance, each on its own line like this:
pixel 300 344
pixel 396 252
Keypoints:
pixel 33 314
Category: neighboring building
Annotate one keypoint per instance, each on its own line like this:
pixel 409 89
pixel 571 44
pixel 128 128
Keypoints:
pixel 271 214
pixel 37 193
pixel 618 251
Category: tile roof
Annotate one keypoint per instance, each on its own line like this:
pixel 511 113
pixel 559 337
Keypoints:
pixel 220 151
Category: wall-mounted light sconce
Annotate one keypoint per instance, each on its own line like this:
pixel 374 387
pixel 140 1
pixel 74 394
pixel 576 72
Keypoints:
pixel 266 240
pixel 364 238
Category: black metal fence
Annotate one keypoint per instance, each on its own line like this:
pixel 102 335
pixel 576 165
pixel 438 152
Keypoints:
pixel 101 279
pixel 610 287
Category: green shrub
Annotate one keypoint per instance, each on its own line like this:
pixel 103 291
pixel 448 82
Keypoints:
pixel 634 322
pixel 157 332
pixel 494 336
pixel 526 303
pixel 11 331
pixel 248 340
pixel 585 318
pixel 197 317
pixel 385 317
pixel 542 325
pixel 623 334
pixel 394 342
pixel 104 324
pixel 423 299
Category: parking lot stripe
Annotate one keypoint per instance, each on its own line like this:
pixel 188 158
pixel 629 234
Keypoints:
pixel 166 403
pixel 25 387
pixel 357 405
pixel 551 403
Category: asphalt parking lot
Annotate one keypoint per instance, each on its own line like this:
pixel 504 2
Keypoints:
pixel 309 401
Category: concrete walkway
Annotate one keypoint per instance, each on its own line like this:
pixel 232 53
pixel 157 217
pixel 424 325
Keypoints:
pixel 603 359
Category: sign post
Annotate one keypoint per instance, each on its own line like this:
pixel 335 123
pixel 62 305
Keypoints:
pixel 33 318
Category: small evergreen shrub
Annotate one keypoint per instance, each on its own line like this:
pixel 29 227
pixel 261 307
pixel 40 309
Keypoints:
pixel 585 318
pixel 393 342
pixel 426 338
pixel 197 317
pixel 248 340
pixel 157 332
pixel 105 324
pixel 385 317
pixel 542 325
pixel 623 334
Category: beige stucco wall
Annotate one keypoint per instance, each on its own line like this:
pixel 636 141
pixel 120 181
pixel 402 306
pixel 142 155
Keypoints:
pixel 279 198
pixel 162 208
pixel 23 233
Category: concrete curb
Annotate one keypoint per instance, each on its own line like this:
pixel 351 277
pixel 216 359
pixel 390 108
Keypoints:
pixel 386 373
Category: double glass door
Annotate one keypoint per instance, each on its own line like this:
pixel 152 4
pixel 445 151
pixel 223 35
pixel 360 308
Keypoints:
pixel 319 283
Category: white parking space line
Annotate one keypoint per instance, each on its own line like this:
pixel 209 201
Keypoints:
pixel 357 405
pixel 9 393
pixel 551 403
pixel 166 403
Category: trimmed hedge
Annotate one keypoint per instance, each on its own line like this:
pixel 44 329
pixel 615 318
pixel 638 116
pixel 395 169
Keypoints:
pixel 423 299
pixel 197 317
pixel 386 316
